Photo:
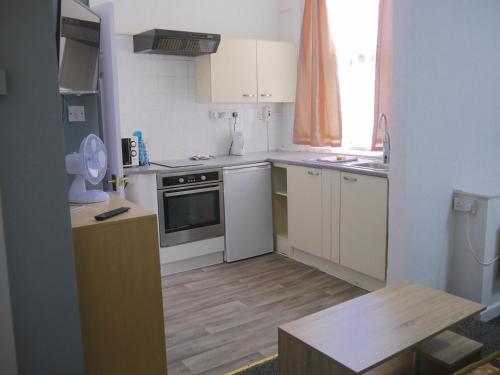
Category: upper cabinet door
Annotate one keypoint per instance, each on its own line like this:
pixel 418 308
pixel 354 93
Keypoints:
pixel 228 76
pixel 276 71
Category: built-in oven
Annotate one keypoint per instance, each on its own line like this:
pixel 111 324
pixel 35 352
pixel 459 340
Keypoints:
pixel 190 206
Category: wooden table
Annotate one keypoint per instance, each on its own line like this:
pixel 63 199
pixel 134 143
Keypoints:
pixel 359 335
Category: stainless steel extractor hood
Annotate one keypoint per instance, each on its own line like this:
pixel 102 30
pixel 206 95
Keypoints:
pixel 171 42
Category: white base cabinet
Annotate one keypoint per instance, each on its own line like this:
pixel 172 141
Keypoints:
pixel 340 217
pixel 363 224
pixel 305 210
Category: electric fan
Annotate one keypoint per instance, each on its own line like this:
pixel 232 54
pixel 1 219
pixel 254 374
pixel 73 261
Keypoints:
pixel 89 164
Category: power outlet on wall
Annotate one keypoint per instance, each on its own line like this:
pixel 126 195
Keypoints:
pixel 76 113
pixel 222 114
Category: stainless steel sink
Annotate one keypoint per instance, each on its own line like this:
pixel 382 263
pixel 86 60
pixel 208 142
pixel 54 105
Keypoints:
pixel 372 165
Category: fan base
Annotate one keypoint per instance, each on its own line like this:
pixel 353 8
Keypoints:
pixel 79 194
pixel 89 196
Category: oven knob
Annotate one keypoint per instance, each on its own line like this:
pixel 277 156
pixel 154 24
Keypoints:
pixel 203 178
pixel 181 180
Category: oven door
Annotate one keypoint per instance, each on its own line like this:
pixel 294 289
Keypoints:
pixel 189 214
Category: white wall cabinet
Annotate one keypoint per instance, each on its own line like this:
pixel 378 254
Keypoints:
pixel 247 71
pixel 305 209
pixel 363 224
pixel 276 71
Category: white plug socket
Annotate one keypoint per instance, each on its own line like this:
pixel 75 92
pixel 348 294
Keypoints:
pixel 464 204
pixel 76 113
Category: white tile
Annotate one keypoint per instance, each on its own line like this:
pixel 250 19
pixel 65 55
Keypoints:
pixel 165 68
pixel 166 85
pixel 191 69
pixel 180 86
pixel 181 68
pixel 148 85
pixel 192 85
pixel 148 67
pixel 163 105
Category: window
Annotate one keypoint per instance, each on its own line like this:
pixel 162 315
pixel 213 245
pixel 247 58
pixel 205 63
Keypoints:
pixel 355 26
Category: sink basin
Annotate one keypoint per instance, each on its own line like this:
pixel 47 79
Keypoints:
pixel 372 165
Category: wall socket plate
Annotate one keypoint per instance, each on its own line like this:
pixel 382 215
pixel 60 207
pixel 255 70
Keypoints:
pixel 76 113
pixel 221 114
pixel 464 204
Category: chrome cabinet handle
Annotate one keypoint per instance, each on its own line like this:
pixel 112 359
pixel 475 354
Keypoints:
pixel 351 179
pixel 248 95
pixel 266 95
pixel 311 173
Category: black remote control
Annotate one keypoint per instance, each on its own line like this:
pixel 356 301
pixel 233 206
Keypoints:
pixel 110 214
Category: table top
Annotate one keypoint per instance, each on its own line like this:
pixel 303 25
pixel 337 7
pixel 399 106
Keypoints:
pixel 366 331
pixel 83 215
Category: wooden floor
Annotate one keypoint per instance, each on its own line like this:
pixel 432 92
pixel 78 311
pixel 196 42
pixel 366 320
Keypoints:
pixel 222 317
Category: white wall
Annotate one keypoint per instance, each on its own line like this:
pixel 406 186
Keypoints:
pixel 245 18
pixel 446 125
pixel 157 93
pixel 157 96
pixel 8 364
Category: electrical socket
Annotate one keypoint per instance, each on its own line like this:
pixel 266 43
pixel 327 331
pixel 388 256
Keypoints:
pixel 464 204
pixel 222 114
pixel 76 113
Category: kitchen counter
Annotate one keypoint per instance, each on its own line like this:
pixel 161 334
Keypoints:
pixel 286 157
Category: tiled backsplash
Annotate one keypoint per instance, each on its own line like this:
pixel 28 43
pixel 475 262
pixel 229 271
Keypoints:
pixel 157 96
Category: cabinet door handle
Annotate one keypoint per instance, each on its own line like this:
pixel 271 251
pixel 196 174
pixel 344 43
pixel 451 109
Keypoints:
pixel 248 95
pixel 351 179
pixel 311 173
pixel 266 95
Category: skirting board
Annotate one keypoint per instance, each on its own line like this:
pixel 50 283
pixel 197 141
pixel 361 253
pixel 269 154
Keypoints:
pixel 491 312
pixel 191 255
pixel 191 264
pixel 190 250
pixel 352 277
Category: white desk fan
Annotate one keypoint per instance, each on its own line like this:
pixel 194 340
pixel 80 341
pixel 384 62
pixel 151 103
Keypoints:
pixel 89 164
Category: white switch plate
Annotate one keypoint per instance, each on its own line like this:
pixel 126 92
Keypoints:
pixel 76 113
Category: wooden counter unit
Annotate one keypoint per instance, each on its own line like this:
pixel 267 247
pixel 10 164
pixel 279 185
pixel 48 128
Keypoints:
pixel 119 289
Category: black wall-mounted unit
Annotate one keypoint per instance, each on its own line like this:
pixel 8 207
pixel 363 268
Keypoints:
pixel 171 42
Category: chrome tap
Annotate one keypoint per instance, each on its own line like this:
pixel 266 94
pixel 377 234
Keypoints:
pixel 386 139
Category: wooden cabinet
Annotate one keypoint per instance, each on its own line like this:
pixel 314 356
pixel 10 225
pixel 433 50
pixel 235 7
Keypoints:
pixel 276 71
pixel 363 224
pixel 339 216
pixel 119 290
pixel 247 71
pixel 305 209
pixel 228 75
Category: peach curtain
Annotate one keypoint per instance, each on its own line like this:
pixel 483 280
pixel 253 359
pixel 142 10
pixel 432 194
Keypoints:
pixel 383 73
pixel 317 106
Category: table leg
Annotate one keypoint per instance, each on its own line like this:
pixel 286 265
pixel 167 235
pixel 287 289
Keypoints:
pixel 416 363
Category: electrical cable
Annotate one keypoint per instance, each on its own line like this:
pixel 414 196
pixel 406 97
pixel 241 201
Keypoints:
pixel 234 131
pixel 267 129
pixel 471 249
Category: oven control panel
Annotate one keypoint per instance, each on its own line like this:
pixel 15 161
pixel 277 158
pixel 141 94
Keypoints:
pixel 188 179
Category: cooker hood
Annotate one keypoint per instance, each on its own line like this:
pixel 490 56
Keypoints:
pixel 172 42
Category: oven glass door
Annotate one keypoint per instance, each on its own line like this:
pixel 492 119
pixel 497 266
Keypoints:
pixel 190 209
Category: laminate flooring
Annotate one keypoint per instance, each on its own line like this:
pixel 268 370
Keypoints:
pixel 222 317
